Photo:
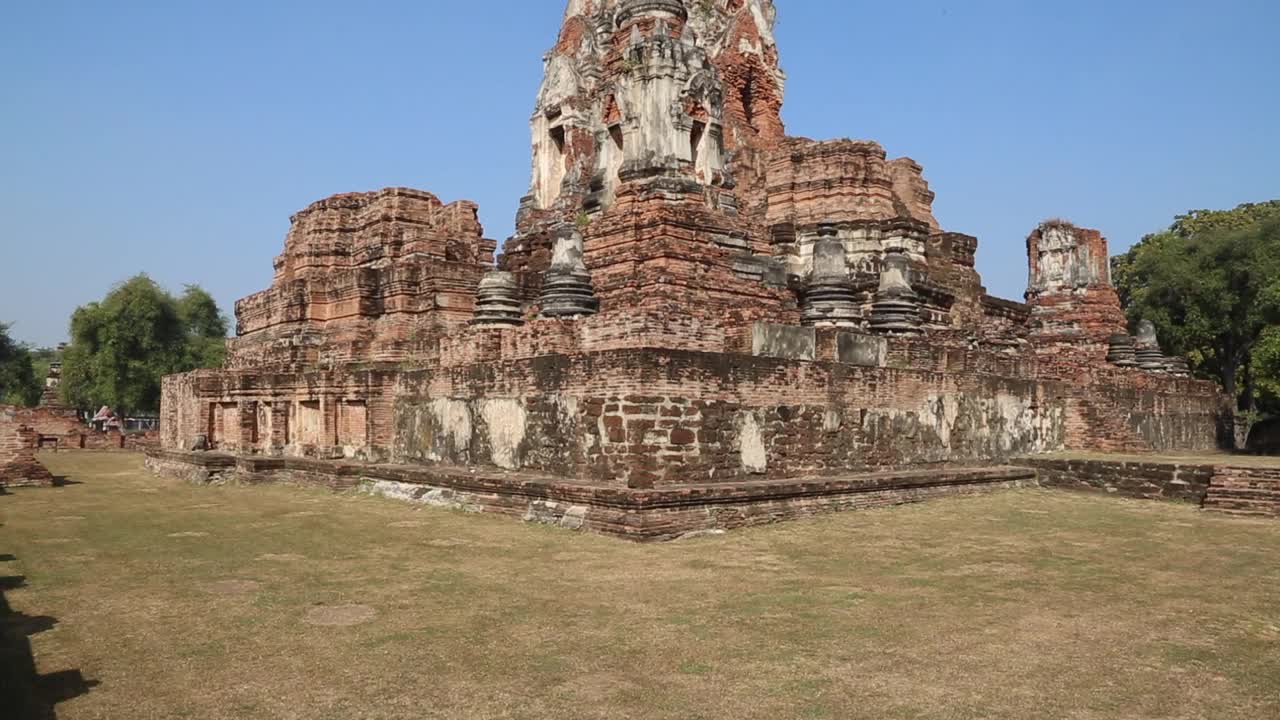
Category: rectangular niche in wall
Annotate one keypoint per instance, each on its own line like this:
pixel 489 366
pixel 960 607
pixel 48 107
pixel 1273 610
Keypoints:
pixel 262 430
pixel 551 166
pixel 353 424
pixel 224 425
pixel 310 423
pixel 696 137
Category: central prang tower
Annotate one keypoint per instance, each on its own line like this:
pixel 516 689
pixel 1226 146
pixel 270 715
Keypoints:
pixel 651 135
pixel 642 89
pixel 658 135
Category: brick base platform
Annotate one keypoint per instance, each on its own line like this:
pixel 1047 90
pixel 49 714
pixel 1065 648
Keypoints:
pixel 642 515
pixel 1224 485
pixel 31 474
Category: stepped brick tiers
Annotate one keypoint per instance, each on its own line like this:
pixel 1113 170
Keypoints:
pixel 699 323
pixel 18 464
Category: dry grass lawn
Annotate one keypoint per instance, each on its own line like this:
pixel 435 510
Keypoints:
pixel 274 602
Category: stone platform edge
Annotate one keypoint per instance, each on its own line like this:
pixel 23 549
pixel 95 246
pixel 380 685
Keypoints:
pixel 642 515
pixel 1218 485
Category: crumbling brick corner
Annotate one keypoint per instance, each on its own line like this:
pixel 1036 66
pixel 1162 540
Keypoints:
pixel 18 464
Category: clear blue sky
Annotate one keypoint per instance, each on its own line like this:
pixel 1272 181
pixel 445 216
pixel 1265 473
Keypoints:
pixel 176 137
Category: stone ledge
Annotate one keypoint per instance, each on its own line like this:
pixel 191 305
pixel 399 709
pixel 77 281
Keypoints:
pixel 657 514
pixel 1226 484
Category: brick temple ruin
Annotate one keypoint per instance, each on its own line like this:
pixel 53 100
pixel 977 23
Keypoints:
pixel 18 464
pixel 700 321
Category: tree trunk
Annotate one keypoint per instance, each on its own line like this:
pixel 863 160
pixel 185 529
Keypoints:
pixel 1229 380
pixel 1248 395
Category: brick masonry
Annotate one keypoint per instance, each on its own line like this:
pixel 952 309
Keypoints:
pixel 657 137
pixel 1236 489
pixel 62 424
pixel 642 515
pixel 18 464
pixel 1139 478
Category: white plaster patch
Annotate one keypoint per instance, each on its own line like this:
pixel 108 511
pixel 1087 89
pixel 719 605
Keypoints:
pixel 755 458
pixel 420 494
pixel 942 410
pixel 1037 430
pixel 453 417
pixel 574 518
pixel 548 512
pixel 506 420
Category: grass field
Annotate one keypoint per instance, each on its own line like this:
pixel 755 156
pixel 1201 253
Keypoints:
pixel 271 602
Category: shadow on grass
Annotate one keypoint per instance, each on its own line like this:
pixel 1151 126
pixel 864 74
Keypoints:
pixel 63 481
pixel 25 694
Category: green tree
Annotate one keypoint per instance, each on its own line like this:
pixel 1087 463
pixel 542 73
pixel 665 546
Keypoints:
pixel 18 383
pixel 205 326
pixel 124 344
pixel 1266 368
pixel 1211 285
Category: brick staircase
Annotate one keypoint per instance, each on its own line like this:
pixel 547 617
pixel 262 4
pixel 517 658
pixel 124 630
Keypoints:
pixel 1245 491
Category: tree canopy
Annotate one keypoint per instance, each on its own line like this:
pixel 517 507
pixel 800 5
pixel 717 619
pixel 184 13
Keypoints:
pixel 1211 285
pixel 124 344
pixel 19 384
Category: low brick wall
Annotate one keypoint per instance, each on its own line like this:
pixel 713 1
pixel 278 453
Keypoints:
pixel 642 515
pixel 1228 487
pixel 63 425
pixel 1134 479
pixel 1245 491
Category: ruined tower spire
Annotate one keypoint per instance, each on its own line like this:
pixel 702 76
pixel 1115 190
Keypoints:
pixel 646 88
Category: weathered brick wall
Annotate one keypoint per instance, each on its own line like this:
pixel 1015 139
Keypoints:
pixel 18 463
pixel 842 181
pixel 1222 487
pixel 343 413
pixel 376 275
pixel 642 515
pixel 1148 480
pixel 1074 308
pixel 63 424
pixel 653 417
